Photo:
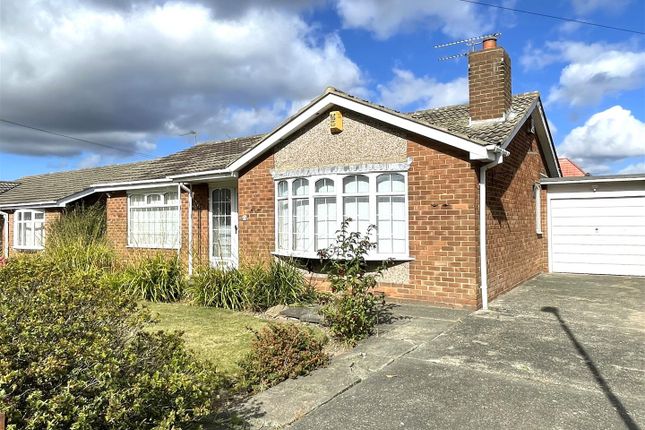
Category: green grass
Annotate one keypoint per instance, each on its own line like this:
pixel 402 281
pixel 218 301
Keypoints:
pixel 218 335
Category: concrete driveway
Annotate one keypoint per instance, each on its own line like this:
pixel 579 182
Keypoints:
pixel 560 351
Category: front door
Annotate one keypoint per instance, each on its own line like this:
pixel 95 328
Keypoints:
pixel 223 222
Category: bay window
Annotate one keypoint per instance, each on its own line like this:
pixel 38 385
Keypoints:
pixel 309 211
pixel 153 219
pixel 29 229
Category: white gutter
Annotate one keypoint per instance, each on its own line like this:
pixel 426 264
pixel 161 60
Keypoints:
pixel 50 204
pixel 190 226
pixel 5 234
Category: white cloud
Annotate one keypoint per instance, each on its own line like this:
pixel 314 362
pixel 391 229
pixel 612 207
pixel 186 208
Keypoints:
pixel 586 7
pixel 634 168
pixel 91 160
pixel 607 136
pixel 593 71
pixel 386 17
pixel 129 74
pixel 408 90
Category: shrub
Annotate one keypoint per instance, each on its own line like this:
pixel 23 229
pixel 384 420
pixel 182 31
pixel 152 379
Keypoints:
pixel 218 287
pixel 73 354
pixel 76 240
pixel 158 279
pixel 279 283
pixel 353 311
pixel 254 288
pixel 281 351
pixel 86 225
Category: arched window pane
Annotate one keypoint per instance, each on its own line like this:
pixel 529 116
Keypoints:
pixel 300 187
pixel 283 189
pixel 390 183
pixel 153 199
pixel 324 185
pixel 356 184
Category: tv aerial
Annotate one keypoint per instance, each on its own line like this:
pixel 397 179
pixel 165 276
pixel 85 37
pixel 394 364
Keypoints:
pixel 470 43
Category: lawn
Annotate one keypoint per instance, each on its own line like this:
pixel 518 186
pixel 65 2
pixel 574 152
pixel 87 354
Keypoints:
pixel 218 335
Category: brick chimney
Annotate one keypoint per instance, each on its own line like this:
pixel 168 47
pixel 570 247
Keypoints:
pixel 489 82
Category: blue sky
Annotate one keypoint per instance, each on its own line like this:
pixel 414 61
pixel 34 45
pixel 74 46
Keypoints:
pixel 134 75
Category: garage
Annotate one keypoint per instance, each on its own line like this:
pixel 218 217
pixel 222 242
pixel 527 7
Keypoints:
pixel 596 225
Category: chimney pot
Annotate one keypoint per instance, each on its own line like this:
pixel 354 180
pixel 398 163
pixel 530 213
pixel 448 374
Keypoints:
pixel 490 43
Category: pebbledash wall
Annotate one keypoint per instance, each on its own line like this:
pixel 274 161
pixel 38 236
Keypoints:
pixel 443 209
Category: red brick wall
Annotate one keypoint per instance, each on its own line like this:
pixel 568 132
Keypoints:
pixel 442 196
pixel 489 83
pixel 515 251
pixel 256 203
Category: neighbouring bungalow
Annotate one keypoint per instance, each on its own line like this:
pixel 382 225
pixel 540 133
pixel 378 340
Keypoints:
pixel 569 168
pixel 454 192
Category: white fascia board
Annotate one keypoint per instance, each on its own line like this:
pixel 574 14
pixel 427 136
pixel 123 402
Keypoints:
pixel 134 187
pixel 477 152
pixel 204 176
pixel 542 127
pixel 204 173
pixel 64 201
pixel 35 205
pixel 519 124
pixel 590 179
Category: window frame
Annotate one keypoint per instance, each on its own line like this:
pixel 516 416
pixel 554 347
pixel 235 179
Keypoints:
pixel 16 229
pixel 145 193
pixel 339 194
pixel 537 197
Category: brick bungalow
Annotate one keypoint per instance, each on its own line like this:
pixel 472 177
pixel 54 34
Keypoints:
pixel 420 178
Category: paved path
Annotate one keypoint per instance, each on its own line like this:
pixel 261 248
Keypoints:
pixel 560 351
pixel 412 327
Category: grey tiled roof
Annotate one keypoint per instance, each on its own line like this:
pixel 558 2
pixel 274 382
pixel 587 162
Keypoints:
pixel 213 155
pixel 55 186
pixel 216 155
pixel 6 186
pixel 455 119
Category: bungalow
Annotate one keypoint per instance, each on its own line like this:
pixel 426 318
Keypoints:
pixel 454 192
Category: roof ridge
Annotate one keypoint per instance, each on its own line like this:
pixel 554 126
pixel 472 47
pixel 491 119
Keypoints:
pixel 211 142
pixel 461 105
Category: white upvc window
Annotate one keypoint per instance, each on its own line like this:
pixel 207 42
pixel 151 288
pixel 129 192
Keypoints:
pixel 29 229
pixel 309 211
pixel 537 196
pixel 153 219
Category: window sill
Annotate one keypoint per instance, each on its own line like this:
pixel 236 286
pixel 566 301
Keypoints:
pixel 314 256
pixel 27 248
pixel 175 248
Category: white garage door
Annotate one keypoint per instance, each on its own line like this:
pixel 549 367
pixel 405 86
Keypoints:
pixel 598 235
